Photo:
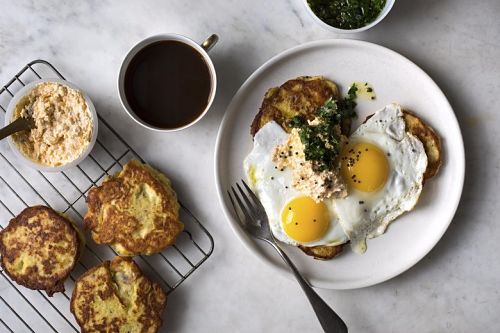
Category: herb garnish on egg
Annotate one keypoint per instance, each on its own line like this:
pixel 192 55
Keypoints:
pixel 322 137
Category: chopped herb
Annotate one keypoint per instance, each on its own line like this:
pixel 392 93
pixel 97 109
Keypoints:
pixel 347 14
pixel 322 140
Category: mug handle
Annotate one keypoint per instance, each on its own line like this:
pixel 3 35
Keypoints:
pixel 210 42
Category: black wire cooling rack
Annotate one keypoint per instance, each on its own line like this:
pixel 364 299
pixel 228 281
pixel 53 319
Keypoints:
pixel 25 310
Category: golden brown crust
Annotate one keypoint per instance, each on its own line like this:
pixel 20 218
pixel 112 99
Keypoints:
pixel 39 248
pixel 431 141
pixel 135 211
pixel 115 296
pixel 323 252
pixel 302 95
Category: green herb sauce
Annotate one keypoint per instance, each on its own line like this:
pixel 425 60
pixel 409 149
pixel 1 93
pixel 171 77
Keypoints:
pixel 322 140
pixel 347 14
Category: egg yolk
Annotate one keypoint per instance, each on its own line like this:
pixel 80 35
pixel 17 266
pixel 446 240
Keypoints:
pixel 365 167
pixel 304 219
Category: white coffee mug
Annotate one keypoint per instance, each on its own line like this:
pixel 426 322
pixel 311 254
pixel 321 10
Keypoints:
pixel 202 49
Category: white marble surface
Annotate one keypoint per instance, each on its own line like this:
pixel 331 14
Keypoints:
pixel 454 289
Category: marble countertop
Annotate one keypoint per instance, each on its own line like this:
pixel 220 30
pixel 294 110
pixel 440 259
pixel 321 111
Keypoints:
pixel 455 288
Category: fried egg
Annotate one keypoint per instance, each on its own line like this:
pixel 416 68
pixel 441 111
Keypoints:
pixel 383 166
pixel 294 218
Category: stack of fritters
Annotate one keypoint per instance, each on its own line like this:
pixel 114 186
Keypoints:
pixel 115 297
pixel 135 211
pixel 39 248
pixel 303 96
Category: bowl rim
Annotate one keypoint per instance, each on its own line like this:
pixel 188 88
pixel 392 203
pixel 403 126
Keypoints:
pixel 27 161
pixel 387 8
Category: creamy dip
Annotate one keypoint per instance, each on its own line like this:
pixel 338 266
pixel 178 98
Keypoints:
pixel 63 124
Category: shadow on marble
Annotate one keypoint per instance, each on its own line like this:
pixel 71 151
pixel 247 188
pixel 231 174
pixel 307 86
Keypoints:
pixel 175 312
pixel 232 70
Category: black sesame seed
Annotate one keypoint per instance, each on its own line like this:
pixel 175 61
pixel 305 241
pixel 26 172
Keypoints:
pixel 413 150
pixel 361 202
pixel 286 186
pixel 373 97
pixel 296 223
pixel 369 89
pixel 388 154
pixel 289 208
pixel 366 210
pixel 272 178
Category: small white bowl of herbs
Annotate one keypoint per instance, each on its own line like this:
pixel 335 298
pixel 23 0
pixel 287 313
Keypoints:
pixel 348 16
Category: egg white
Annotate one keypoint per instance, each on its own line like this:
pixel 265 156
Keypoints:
pixel 367 214
pixel 274 187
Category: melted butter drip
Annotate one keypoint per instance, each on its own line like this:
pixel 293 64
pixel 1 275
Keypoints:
pixel 365 90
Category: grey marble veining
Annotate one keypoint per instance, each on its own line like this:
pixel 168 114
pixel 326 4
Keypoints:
pixel 453 289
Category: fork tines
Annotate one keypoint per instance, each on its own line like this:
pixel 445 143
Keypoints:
pixel 246 202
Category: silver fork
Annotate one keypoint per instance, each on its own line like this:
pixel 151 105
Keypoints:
pixel 253 219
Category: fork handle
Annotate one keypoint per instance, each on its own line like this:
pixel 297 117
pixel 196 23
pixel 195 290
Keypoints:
pixel 328 319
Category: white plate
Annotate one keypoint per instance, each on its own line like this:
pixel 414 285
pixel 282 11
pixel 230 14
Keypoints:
pixel 395 79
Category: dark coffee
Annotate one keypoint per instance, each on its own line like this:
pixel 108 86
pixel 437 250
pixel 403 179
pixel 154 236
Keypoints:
pixel 168 84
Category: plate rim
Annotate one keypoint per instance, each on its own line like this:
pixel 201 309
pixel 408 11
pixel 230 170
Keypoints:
pixel 243 238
